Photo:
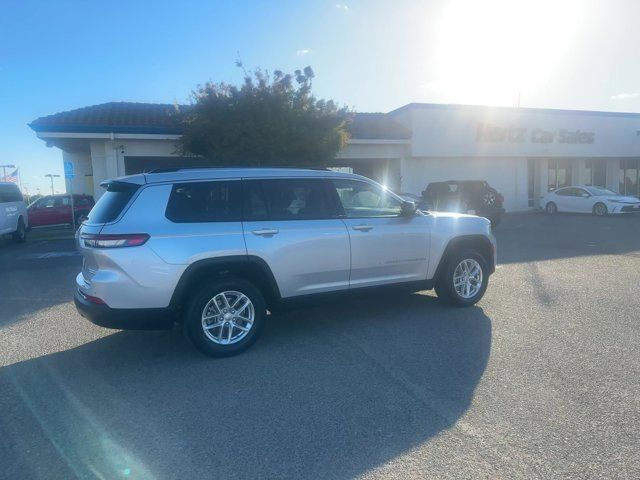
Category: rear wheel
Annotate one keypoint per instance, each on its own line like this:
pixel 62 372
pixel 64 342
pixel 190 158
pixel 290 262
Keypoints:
pixel 600 209
pixel 226 317
pixel 551 208
pixel 20 235
pixel 464 279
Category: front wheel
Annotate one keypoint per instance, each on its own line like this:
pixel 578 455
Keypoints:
pixel 463 280
pixel 226 317
pixel 551 208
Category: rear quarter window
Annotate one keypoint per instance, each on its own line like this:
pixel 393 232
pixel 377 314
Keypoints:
pixel 112 202
pixel 197 202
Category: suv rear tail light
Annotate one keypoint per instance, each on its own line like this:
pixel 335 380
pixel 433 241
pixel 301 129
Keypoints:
pixel 114 241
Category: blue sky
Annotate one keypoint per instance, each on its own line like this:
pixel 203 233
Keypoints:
pixel 370 55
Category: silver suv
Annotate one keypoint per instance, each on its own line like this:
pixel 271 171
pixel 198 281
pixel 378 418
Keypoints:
pixel 215 249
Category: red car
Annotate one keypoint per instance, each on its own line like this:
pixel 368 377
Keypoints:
pixel 56 210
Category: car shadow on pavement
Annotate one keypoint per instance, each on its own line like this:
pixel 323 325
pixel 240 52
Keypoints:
pixel 328 392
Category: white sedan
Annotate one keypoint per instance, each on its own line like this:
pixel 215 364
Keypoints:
pixel 596 200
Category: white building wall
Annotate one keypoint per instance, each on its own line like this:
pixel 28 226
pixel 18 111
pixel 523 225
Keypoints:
pixel 107 156
pixel 461 131
pixel 99 165
pixel 83 169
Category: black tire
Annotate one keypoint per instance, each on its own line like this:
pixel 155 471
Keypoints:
pixel 551 208
pixel 445 287
pixel 20 235
pixel 600 209
pixel 193 323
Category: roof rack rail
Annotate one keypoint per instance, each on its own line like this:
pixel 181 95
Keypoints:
pixel 178 169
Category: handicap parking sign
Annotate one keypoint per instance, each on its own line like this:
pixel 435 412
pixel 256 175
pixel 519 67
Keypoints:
pixel 69 170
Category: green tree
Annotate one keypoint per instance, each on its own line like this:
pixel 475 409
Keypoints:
pixel 270 120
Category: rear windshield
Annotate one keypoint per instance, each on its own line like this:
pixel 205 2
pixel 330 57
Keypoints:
pixel 112 202
pixel 10 193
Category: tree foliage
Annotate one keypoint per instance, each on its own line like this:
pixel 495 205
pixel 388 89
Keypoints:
pixel 269 120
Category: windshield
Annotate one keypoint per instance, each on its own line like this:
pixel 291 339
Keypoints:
pixel 599 191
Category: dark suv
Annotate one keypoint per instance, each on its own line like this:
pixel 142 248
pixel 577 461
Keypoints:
pixel 465 196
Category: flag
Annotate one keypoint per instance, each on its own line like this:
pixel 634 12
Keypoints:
pixel 12 177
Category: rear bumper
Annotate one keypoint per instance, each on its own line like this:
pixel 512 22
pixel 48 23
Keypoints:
pixel 124 318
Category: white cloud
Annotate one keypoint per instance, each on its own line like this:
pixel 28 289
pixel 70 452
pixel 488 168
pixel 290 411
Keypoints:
pixel 624 96
pixel 342 6
pixel 302 52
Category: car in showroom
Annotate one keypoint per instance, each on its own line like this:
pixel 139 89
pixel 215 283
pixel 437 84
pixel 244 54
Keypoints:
pixel 13 212
pixel 588 199
pixel 475 197
pixel 215 249
pixel 56 210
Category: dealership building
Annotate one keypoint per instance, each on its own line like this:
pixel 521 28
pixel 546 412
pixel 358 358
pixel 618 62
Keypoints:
pixel 522 152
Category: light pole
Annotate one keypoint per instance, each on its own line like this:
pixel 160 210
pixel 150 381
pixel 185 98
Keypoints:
pixel 4 170
pixel 51 176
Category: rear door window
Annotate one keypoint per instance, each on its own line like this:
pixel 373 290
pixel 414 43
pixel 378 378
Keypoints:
pixel 196 202
pixel 291 199
pixel 112 202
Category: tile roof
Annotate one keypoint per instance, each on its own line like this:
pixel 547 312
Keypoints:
pixel 132 117
pixel 117 117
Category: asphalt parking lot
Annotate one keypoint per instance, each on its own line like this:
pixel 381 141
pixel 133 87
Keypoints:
pixel 540 380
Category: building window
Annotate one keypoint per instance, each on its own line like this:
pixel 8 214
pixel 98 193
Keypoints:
pixel 596 172
pixel 559 173
pixel 629 170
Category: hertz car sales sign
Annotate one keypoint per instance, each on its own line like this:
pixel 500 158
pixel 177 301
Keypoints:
pixel 488 133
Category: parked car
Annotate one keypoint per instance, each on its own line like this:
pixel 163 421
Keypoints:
pixel 476 197
pixel 13 212
pixel 56 210
pixel 420 203
pixel 587 199
pixel 216 248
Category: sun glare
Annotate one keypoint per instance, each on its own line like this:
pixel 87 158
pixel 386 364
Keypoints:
pixel 488 51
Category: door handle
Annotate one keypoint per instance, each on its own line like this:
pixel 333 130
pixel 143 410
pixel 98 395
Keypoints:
pixel 265 231
pixel 362 228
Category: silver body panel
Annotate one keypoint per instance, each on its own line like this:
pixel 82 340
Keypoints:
pixel 305 256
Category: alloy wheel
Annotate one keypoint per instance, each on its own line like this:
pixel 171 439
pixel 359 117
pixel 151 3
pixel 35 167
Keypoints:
pixel 489 198
pixel 228 317
pixel 467 278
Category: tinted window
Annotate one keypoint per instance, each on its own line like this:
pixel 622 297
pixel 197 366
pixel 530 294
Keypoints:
pixel 291 199
pixel 205 202
pixel 10 193
pixel 254 201
pixel 81 201
pixel 564 192
pixel 361 199
pixel 112 202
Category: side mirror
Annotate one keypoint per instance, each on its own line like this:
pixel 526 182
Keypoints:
pixel 408 209
pixel 585 195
